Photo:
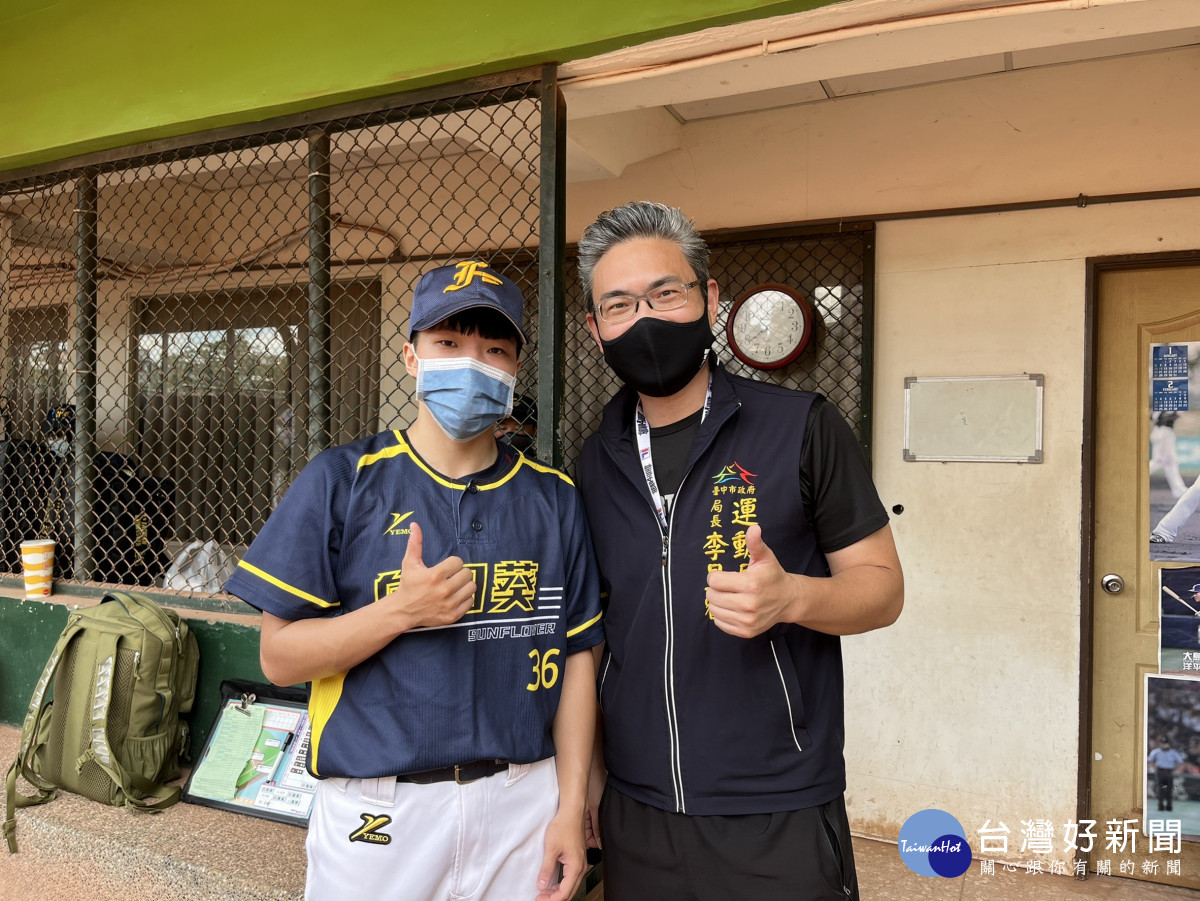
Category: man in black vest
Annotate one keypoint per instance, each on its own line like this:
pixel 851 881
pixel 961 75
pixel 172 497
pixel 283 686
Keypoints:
pixel 738 534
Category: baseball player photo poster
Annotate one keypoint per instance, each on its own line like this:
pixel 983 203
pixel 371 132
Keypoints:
pixel 1174 449
pixel 1179 620
pixel 1172 755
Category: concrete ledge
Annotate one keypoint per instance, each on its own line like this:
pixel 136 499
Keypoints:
pixel 209 609
pixel 74 848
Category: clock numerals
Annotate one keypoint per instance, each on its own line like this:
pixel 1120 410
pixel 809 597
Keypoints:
pixel 769 326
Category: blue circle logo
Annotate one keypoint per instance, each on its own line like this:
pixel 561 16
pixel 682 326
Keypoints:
pixel 932 843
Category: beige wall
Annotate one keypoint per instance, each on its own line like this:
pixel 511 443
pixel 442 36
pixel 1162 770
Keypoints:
pixel 970 702
pixel 1117 125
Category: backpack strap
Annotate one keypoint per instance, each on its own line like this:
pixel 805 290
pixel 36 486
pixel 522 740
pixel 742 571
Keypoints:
pixel 37 706
pixel 163 796
pixel 101 752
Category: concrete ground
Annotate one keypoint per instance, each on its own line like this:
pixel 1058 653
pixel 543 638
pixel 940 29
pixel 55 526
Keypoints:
pixel 74 849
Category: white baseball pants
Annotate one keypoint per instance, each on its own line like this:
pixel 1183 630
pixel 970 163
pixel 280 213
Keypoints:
pixel 397 841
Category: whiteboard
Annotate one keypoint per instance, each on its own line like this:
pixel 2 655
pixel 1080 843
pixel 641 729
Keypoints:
pixel 988 419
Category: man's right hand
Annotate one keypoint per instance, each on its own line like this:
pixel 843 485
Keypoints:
pixel 430 595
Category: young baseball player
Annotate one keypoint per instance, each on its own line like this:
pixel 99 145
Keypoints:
pixel 438 591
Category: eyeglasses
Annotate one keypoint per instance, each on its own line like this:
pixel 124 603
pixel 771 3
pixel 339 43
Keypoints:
pixel 618 307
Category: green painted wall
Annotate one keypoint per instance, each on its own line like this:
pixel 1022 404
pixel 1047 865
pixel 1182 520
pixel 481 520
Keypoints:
pixel 29 629
pixel 84 75
pixel 227 651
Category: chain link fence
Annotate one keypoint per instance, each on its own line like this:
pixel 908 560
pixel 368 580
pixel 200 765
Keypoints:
pixel 182 331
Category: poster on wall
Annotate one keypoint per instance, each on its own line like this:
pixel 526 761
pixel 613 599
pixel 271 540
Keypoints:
pixel 1174 452
pixel 1179 620
pixel 1172 757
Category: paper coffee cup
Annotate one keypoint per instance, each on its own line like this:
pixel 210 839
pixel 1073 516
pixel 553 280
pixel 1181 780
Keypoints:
pixel 37 560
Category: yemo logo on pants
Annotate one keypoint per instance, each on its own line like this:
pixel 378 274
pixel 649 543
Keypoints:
pixel 369 831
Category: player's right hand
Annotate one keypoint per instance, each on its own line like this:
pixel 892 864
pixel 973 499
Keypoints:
pixel 431 595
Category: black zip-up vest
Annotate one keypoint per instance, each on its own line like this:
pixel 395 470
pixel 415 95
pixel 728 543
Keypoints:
pixel 695 720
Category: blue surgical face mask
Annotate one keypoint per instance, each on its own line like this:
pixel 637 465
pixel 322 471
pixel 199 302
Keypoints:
pixel 465 397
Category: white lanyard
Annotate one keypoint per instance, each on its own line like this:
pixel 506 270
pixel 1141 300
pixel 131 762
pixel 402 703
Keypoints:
pixel 641 428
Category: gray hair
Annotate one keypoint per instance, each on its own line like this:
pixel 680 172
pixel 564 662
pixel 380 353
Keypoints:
pixel 639 219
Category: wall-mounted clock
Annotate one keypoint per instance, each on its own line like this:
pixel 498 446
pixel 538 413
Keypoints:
pixel 769 326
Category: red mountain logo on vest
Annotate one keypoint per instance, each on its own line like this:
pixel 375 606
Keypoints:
pixel 734 472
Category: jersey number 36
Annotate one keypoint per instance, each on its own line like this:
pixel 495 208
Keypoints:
pixel 545 671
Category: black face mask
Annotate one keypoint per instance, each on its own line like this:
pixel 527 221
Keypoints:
pixel 521 441
pixel 658 357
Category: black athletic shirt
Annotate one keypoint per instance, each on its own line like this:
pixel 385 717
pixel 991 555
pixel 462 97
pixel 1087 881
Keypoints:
pixel 669 446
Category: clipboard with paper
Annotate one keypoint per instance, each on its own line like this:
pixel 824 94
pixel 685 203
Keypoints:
pixel 255 760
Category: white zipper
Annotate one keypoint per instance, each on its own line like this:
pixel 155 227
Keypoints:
pixel 604 675
pixel 669 680
pixel 786 698
pixel 669 663
pixel 674 744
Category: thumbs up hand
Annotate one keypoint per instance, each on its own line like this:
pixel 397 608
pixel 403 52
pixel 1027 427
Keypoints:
pixel 760 554
pixel 430 595
pixel 748 603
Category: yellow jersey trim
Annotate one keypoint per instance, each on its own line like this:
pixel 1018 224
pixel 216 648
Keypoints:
pixel 290 589
pixel 399 448
pixel 324 698
pixel 591 622
pixel 405 448
pixel 512 472
pixel 550 469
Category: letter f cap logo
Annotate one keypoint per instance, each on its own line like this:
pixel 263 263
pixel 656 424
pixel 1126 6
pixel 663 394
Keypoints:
pixel 467 272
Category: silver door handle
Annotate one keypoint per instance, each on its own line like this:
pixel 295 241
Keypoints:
pixel 1112 583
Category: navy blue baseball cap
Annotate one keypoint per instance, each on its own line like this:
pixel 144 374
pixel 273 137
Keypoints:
pixel 442 292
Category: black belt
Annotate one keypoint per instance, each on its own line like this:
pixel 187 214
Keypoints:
pixel 461 773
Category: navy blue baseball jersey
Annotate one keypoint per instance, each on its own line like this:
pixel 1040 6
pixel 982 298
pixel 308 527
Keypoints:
pixel 486 686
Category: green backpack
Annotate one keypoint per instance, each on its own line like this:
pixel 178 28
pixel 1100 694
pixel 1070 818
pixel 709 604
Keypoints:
pixel 122 672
